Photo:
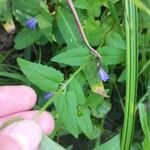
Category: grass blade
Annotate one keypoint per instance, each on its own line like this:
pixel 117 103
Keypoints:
pixel 132 74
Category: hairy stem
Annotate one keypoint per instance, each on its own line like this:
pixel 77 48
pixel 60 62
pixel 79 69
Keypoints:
pixel 131 17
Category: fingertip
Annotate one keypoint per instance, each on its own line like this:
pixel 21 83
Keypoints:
pixel 46 123
pixel 26 134
pixel 28 95
pixel 45 120
pixel 14 99
pixel 6 141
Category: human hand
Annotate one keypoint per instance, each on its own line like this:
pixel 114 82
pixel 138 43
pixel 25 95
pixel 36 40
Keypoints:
pixel 16 101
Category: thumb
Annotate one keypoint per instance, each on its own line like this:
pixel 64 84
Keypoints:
pixel 21 135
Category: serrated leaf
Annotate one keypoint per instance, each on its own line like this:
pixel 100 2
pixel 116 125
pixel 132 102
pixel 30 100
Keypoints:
pixel 25 38
pixel 112 55
pixel 66 106
pixel 112 144
pixel 68 28
pixel 46 78
pixel 45 24
pixel 73 57
pixel 47 144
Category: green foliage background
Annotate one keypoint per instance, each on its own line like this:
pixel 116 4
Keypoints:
pixel 54 58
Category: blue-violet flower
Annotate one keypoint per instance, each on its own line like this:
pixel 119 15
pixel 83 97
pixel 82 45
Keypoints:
pixel 48 95
pixel 31 23
pixel 103 75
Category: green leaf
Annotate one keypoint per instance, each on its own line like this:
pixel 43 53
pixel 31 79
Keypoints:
pixel 77 89
pixel 115 40
pixel 94 31
pixel 146 144
pixel 66 106
pixel 14 76
pixel 114 15
pixel 6 17
pixel 85 123
pixel 84 120
pixel 99 107
pixel 2 5
pixel 91 74
pixel 112 144
pixel 112 55
pixel 68 28
pixel 45 24
pixel 47 144
pixel 144 120
pixel 73 57
pixel 146 66
pixel 94 7
pixel 29 6
pixel 46 78
pixel 122 77
pixel 25 38
pixel 142 6
pixel 144 21
pixel 82 4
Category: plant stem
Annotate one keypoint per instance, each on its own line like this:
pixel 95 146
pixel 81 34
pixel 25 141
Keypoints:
pixel 93 51
pixel 61 89
pixel 131 17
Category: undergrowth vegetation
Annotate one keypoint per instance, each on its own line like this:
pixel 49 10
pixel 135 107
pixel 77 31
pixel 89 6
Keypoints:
pixel 90 67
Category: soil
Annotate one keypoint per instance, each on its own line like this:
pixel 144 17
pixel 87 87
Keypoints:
pixel 6 40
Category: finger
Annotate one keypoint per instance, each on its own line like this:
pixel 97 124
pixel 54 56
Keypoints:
pixel 21 135
pixel 6 141
pixel 14 99
pixel 45 121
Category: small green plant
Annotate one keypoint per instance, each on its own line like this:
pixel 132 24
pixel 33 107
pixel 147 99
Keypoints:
pixel 88 61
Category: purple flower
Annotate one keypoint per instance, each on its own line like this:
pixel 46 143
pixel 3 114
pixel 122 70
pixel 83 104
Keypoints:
pixel 31 23
pixel 103 75
pixel 48 95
